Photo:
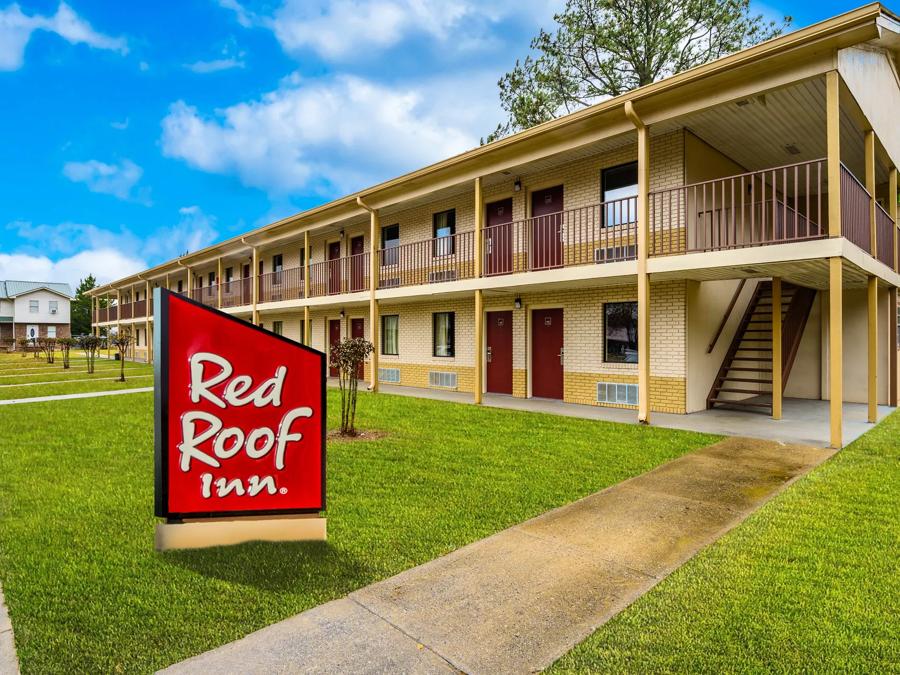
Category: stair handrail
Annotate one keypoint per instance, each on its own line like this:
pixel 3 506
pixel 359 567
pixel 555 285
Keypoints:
pixel 734 299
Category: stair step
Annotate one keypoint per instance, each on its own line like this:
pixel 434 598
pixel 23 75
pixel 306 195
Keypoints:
pixel 752 358
pixel 725 401
pixel 747 369
pixel 745 379
pixel 754 349
pixel 728 390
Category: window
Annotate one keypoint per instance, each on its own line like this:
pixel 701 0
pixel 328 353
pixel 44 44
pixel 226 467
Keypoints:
pixel 212 279
pixel 54 306
pixel 619 182
pixel 390 335
pixel 443 333
pixel 51 332
pixel 180 286
pixel 302 339
pixel 444 227
pixel 229 275
pixel 390 242
pixel 277 266
pixel 278 327
pixel 34 306
pixel 261 267
pixel 620 332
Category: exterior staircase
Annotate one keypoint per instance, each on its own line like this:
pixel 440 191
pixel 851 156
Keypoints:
pixel 744 380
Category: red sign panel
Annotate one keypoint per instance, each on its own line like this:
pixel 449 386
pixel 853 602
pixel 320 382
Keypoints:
pixel 240 416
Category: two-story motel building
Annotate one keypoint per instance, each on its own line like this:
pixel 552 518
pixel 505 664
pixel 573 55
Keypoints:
pixel 629 254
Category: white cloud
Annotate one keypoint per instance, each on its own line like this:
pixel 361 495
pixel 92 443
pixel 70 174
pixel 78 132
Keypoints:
pixel 333 134
pixel 105 264
pixel 118 180
pixel 214 66
pixel 351 29
pixel 16 29
pixel 71 251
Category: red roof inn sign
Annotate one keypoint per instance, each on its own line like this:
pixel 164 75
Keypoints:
pixel 240 430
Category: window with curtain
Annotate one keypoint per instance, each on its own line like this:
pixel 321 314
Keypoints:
pixel 278 327
pixel 620 328
pixel 390 335
pixel 443 229
pixel 443 333
pixel 619 182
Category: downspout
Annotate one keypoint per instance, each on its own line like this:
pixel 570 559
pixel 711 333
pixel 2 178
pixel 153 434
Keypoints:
pixel 643 277
pixel 373 285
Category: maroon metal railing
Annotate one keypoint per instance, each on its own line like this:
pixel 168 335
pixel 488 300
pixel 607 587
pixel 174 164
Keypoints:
pixel 773 206
pixel 855 201
pixel 428 262
pixel 884 232
pixel 282 285
pixel 208 295
pixel 349 274
pixel 103 315
pixel 237 293
pixel 139 309
pixel 125 310
pixel 113 313
pixel 598 233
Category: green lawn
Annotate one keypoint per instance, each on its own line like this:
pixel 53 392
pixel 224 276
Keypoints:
pixel 72 374
pixel 87 593
pixel 101 382
pixel 809 583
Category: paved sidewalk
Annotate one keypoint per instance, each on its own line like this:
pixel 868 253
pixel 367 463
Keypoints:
pixel 9 664
pixel 518 600
pixel 86 394
pixel 83 379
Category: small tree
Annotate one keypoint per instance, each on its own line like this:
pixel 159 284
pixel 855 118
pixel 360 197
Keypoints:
pixel 23 345
pixel 34 347
pixel 47 346
pixel 65 345
pixel 348 357
pixel 121 341
pixel 90 344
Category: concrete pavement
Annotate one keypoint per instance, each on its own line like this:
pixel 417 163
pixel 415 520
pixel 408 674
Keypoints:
pixel 65 397
pixel 518 600
pixel 9 664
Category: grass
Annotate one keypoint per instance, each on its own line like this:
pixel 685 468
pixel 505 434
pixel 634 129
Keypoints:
pixel 43 379
pixel 809 583
pixel 87 593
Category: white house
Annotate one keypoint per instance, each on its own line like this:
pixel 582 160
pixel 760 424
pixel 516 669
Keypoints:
pixel 30 309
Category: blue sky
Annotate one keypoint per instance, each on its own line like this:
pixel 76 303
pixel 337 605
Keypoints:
pixel 132 132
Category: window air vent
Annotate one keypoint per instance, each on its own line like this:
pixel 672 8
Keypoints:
pixel 614 392
pixel 614 253
pixel 388 374
pixel 440 379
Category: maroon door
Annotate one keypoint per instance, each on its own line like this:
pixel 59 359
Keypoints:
pixel 546 228
pixel 357 328
pixel 334 267
pixel 499 352
pixel 334 338
pixel 357 264
pixel 547 353
pixel 498 245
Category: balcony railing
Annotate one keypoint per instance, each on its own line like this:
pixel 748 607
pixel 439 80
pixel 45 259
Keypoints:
pixel 599 233
pixel 281 285
pixel 426 262
pixel 884 232
pixel 855 200
pixel 208 295
pixel 238 292
pixel 774 206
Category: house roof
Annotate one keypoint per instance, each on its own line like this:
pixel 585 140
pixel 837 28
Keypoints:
pixel 12 289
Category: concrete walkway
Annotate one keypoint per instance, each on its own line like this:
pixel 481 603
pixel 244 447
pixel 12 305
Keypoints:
pixel 520 599
pixel 83 379
pixel 86 394
pixel 804 421
pixel 9 664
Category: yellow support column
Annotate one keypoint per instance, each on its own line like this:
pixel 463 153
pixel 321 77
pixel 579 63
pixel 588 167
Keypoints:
pixel 374 231
pixel 254 286
pixel 479 345
pixel 870 187
pixel 147 322
pixel 836 349
pixel 892 346
pixel 307 331
pixel 479 228
pixel 892 209
pixel 833 132
pixel 306 258
pixel 219 282
pixel 873 349
pixel 643 277
pixel 777 385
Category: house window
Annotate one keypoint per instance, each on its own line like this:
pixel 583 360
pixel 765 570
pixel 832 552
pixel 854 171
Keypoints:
pixel 620 332
pixel 212 279
pixel 278 327
pixel 51 332
pixel 443 333
pixel 229 275
pixel 277 266
pixel 443 229
pixel 54 306
pixel 619 183
pixel 390 335
pixel 390 242
pixel 34 306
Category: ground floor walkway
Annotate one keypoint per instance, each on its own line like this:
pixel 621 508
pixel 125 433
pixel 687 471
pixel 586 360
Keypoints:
pixel 518 600
pixel 803 421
